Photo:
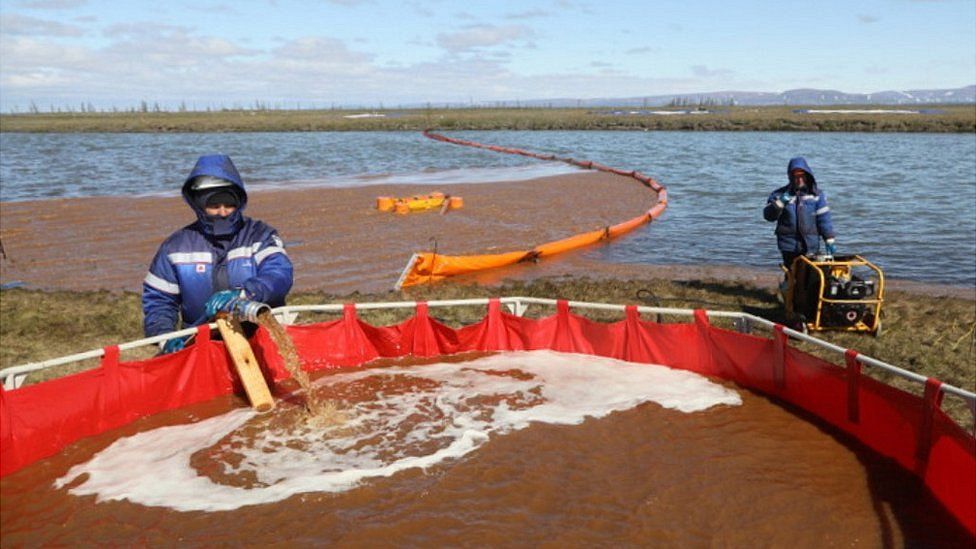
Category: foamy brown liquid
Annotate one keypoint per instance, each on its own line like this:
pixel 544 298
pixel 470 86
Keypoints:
pixel 319 411
pixel 728 475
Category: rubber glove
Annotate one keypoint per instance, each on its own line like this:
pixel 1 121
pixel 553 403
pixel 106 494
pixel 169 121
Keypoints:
pixel 221 301
pixel 831 247
pixel 173 345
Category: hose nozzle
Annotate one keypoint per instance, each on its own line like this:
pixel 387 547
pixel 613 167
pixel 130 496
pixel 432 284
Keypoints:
pixel 244 309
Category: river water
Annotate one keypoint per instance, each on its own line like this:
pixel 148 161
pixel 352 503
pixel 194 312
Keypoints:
pixel 905 201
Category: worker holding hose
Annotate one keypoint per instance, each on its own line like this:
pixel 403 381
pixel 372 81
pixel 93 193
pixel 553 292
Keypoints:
pixel 222 257
pixel 801 214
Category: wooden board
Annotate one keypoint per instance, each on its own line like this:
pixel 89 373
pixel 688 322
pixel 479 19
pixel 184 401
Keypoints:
pixel 247 365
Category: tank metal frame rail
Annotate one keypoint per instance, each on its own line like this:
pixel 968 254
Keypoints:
pixel 14 376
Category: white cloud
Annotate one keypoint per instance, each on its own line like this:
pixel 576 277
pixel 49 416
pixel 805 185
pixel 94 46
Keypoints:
pixel 213 9
pixel 162 62
pixel 37 79
pixel 171 64
pixel 483 36
pixel 296 72
pixel 320 50
pixel 529 14
pixel 420 9
pixel 22 53
pixel 13 24
pixel 137 30
pixel 52 4
pixel 170 43
pixel 701 71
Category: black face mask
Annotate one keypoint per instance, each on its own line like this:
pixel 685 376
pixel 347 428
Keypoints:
pixel 223 226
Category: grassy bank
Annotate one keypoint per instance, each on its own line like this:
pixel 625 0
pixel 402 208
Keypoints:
pixel 950 118
pixel 931 336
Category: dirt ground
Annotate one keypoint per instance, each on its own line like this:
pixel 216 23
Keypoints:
pixel 338 241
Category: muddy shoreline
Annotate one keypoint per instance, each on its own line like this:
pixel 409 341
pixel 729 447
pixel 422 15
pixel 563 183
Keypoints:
pixel 341 244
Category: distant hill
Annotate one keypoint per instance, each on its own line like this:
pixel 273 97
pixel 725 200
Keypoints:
pixel 965 94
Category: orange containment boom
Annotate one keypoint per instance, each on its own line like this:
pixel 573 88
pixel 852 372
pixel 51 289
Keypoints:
pixel 409 204
pixel 427 267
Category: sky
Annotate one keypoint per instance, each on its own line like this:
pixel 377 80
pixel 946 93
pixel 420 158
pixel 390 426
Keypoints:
pixel 380 53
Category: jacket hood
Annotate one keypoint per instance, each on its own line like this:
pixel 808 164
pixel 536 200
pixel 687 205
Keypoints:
pixel 220 166
pixel 800 163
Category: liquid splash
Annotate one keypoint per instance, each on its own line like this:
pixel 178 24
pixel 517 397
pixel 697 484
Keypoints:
pixel 320 412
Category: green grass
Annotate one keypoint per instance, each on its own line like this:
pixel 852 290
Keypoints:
pixel 933 336
pixel 953 118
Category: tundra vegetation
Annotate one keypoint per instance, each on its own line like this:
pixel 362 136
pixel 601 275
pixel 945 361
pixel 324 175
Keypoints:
pixel 929 118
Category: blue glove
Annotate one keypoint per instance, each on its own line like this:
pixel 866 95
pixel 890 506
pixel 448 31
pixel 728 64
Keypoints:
pixel 221 302
pixel 786 197
pixel 831 248
pixel 173 345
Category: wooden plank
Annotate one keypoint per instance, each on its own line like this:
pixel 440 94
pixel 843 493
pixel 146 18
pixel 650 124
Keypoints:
pixel 247 365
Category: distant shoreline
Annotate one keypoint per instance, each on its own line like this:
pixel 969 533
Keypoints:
pixel 840 118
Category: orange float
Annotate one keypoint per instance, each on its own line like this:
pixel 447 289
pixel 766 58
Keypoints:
pixel 419 203
pixel 384 203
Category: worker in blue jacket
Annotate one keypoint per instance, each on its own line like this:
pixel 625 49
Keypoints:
pixel 205 267
pixel 801 214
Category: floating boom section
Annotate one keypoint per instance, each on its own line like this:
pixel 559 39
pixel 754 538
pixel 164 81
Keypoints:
pixel 427 267
pixel 40 420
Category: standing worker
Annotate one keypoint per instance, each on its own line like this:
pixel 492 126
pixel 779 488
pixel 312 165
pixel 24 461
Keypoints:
pixel 224 256
pixel 801 213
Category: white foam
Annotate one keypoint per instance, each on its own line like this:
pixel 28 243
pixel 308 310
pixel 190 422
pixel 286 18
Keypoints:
pixel 437 177
pixel 449 410
pixel 479 175
pixel 440 178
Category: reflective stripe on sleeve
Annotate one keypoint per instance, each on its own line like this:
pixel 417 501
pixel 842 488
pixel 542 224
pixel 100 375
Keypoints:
pixel 162 285
pixel 270 250
pixel 239 253
pixel 190 257
pixel 823 210
pixel 243 252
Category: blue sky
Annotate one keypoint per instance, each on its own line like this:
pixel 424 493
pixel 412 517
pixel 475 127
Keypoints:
pixel 373 52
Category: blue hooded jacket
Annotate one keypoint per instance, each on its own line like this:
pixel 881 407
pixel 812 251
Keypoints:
pixel 213 254
pixel 801 222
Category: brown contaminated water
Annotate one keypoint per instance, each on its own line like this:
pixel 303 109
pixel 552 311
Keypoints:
pixel 337 239
pixel 319 411
pixel 747 475
pixel 325 230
